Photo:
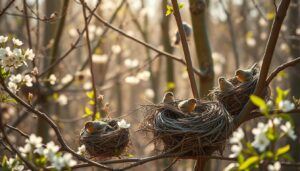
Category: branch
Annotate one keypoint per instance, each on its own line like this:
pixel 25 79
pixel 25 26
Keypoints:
pixel 186 50
pixel 267 58
pixel 6 7
pixel 85 18
pixel 173 57
pixel 282 67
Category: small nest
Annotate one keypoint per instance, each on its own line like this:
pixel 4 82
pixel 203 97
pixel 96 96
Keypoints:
pixel 201 132
pixel 111 143
pixel 236 99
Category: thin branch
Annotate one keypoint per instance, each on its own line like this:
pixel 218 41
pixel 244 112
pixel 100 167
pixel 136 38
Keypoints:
pixel 282 67
pixel 186 50
pixel 267 58
pixel 6 7
pixel 173 57
pixel 17 130
pixel 90 59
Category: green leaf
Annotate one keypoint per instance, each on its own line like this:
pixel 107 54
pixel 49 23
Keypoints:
pixel 271 134
pixel 130 155
pixel 169 10
pixel 240 158
pixel 249 162
pixel 287 157
pixel 260 103
pixel 98 116
pixel 281 94
pixel 250 148
pixel 3 74
pixel 87 112
pixel 91 102
pixel 181 5
pixel 4 161
pixel 170 86
pixel 267 154
pixel 287 118
pixel 90 94
pixel 282 150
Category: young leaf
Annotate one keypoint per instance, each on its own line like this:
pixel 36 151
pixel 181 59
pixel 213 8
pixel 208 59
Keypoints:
pixel 260 103
pixel 181 5
pixel 169 10
pixel 282 150
pixel 90 94
pixel 249 162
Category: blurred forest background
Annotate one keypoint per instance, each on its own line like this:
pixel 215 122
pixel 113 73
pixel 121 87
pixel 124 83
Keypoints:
pixel 228 34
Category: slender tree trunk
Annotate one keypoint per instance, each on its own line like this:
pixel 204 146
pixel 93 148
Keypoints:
pixel 198 15
pixel 293 23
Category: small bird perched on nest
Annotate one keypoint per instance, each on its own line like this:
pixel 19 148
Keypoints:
pixel 168 97
pixel 225 85
pixel 96 127
pixel 187 106
pixel 246 74
pixel 188 33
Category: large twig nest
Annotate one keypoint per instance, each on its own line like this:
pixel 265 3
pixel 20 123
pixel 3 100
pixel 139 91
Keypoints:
pixel 110 143
pixel 201 132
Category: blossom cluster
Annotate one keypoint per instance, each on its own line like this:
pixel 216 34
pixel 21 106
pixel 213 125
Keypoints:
pixel 15 57
pixel 265 135
pixel 15 81
pixel 43 155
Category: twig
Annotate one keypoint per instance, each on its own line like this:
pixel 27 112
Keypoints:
pixel 282 67
pixel 5 138
pixel 186 50
pixel 180 60
pixel 60 138
pixel 27 25
pixel 267 58
pixel 6 7
pixel 18 130
pixel 90 59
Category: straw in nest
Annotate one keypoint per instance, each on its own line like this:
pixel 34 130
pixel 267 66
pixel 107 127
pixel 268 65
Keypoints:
pixel 106 144
pixel 201 132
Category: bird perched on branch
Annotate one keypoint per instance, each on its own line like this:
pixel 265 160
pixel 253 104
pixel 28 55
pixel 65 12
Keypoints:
pixel 187 106
pixel 188 33
pixel 168 97
pixel 225 85
pixel 246 74
pixel 96 127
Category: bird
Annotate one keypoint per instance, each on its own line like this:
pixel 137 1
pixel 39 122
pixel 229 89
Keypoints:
pixel 168 97
pixel 187 106
pixel 246 74
pixel 188 33
pixel 225 85
pixel 93 127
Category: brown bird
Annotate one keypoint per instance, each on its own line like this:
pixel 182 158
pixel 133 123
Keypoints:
pixel 168 97
pixel 246 74
pixel 225 85
pixel 187 106
pixel 96 127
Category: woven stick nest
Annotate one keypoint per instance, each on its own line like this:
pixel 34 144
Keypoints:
pixel 201 132
pixel 106 144
pixel 236 99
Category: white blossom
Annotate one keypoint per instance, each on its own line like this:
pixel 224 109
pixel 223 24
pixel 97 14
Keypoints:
pixel 27 80
pixel 81 150
pixel 66 79
pixel 13 87
pixel 231 166
pixel 29 54
pixel 17 42
pixel 123 124
pixel 251 42
pixel 132 80
pixel 131 63
pixel 144 75
pixel 52 79
pixel 236 149
pixel 274 167
pixel 100 59
pixel 288 129
pixel 62 100
pixel 3 39
pixel 149 93
pixel 286 105
pixel 15 78
pixel 14 165
pixel 25 150
pixel 116 49
pixel 237 136
pixel 260 139
pixel 50 150
pixel 34 140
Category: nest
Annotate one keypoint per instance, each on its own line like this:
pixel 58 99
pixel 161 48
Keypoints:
pixel 201 132
pixel 106 144
pixel 236 99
